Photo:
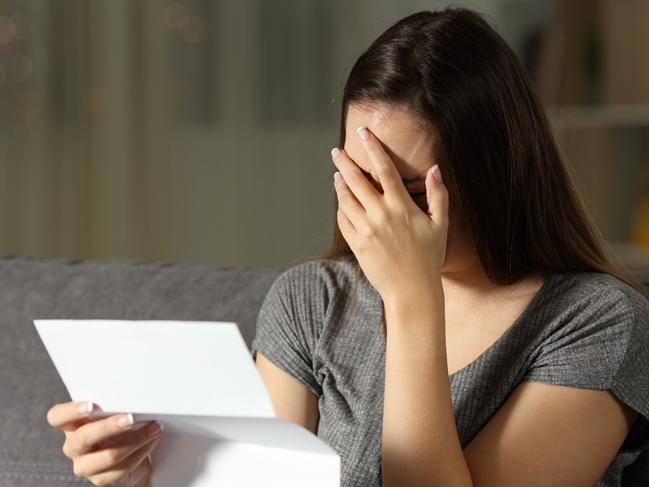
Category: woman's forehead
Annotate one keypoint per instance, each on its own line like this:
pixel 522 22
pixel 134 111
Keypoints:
pixel 406 141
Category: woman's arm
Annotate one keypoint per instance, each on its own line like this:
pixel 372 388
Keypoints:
pixel 421 445
pixel 291 400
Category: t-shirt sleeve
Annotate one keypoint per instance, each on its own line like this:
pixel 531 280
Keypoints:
pixel 288 324
pixel 603 345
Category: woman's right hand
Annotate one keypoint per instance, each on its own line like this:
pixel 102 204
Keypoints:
pixel 106 451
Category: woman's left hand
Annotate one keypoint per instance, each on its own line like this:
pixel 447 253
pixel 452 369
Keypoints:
pixel 400 248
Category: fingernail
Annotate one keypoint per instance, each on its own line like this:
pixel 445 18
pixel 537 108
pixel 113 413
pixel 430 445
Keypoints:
pixel 335 151
pixel 125 420
pixel 154 428
pixel 437 173
pixel 337 176
pixel 85 407
pixel 362 131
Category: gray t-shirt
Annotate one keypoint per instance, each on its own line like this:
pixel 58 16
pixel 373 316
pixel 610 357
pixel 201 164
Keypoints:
pixel 585 329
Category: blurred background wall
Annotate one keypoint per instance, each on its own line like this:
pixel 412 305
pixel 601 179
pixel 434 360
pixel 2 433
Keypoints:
pixel 199 131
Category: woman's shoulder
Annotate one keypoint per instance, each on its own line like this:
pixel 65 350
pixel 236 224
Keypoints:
pixel 314 280
pixel 600 286
pixel 592 281
pixel 334 273
pixel 594 326
pixel 599 300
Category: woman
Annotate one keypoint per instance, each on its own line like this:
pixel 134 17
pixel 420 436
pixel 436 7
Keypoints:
pixel 493 274
pixel 470 331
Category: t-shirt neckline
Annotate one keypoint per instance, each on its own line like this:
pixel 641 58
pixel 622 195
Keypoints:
pixel 529 309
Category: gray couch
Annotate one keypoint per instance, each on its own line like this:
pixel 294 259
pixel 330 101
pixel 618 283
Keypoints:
pixel 30 450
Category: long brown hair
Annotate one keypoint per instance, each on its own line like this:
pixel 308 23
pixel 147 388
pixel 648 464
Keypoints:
pixel 500 160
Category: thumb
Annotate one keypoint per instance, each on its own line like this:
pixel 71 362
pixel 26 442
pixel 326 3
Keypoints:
pixel 437 197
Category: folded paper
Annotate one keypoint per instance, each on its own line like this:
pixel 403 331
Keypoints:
pixel 199 379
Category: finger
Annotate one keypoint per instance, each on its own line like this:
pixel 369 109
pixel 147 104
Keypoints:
pixel 66 416
pixel 363 190
pixel 133 466
pixel 389 177
pixel 437 196
pixel 349 205
pixel 88 435
pixel 99 461
pixel 143 472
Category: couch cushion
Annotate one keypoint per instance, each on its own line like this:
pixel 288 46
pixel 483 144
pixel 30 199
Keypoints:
pixel 30 449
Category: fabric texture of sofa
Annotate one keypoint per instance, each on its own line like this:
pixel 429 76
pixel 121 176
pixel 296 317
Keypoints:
pixel 30 449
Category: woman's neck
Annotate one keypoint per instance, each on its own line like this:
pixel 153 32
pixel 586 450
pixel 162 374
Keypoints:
pixel 464 278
